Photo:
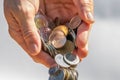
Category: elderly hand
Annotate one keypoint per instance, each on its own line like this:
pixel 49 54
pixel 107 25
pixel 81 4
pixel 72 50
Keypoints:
pixel 20 17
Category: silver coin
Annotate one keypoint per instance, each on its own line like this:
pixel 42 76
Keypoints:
pixel 74 22
pixel 71 59
pixel 59 60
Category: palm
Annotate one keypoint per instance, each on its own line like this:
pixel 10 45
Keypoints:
pixel 63 9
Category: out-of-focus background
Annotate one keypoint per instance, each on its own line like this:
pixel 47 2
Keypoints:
pixel 102 63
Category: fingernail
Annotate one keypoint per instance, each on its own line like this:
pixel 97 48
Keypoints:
pixel 90 16
pixel 33 49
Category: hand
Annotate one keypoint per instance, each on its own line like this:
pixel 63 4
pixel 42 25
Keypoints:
pixel 65 10
pixel 20 17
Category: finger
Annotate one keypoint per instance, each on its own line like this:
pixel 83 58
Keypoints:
pixel 45 59
pixel 41 57
pixel 85 10
pixel 29 30
pixel 31 36
pixel 82 39
pixel 17 36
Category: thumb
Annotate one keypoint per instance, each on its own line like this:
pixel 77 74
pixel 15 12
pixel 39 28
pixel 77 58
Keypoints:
pixel 85 10
pixel 30 34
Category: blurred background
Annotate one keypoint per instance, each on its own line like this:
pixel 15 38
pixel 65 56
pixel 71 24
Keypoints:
pixel 102 63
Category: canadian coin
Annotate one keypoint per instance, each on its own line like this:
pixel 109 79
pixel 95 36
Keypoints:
pixel 59 60
pixel 74 22
pixel 71 59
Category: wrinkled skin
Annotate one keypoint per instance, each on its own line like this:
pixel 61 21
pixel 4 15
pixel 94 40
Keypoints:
pixel 20 17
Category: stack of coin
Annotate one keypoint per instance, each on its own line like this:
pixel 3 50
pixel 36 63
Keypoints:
pixel 42 25
pixel 60 43
pixel 67 60
pixel 58 73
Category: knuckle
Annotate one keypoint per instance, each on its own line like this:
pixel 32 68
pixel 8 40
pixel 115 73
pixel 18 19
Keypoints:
pixel 87 5
pixel 27 34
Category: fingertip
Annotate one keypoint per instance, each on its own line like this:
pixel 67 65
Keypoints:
pixel 88 17
pixel 33 42
pixel 82 53
pixel 34 49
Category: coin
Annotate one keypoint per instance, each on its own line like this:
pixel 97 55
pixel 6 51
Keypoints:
pixel 53 70
pixel 67 75
pixel 68 47
pixel 62 28
pixel 59 75
pixel 41 21
pixel 71 59
pixel 71 77
pixel 75 73
pixel 57 39
pixel 44 33
pixel 74 22
pixel 59 60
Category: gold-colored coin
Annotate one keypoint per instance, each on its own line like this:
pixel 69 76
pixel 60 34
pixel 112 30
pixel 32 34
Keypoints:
pixel 68 47
pixel 62 28
pixel 67 75
pixel 74 22
pixel 40 21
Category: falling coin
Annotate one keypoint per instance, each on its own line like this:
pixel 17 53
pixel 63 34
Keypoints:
pixel 59 75
pixel 71 77
pixel 53 70
pixel 75 73
pixel 71 59
pixel 59 60
pixel 74 22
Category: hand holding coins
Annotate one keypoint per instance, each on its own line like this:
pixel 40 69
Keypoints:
pixel 59 43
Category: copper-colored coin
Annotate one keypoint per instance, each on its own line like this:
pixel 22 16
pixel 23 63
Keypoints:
pixel 74 22
pixel 57 39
